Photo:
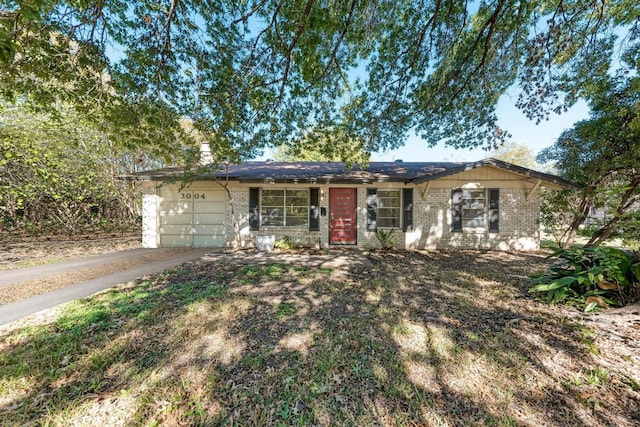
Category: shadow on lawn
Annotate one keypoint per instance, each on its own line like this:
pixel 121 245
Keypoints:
pixel 438 339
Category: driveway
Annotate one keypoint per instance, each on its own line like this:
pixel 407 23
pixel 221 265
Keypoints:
pixel 85 276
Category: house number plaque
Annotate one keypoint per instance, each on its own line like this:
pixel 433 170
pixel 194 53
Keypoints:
pixel 189 196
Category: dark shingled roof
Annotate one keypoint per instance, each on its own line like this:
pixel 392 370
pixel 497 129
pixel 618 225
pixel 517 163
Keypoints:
pixel 337 172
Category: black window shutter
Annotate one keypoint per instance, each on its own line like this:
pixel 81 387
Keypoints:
pixel 456 210
pixel 254 208
pixel 372 209
pixel 314 209
pixel 407 209
pixel 494 209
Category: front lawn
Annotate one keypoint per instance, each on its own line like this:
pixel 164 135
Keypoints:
pixel 439 339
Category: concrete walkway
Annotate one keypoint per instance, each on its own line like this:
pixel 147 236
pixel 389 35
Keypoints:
pixel 162 259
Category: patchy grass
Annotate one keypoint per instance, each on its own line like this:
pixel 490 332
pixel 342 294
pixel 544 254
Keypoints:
pixel 440 339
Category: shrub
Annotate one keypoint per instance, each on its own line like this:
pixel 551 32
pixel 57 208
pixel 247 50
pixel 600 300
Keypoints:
pixel 592 278
pixel 284 243
pixel 385 237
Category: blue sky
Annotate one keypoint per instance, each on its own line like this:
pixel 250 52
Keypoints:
pixel 522 130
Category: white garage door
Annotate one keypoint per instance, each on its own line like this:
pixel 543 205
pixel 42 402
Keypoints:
pixel 192 217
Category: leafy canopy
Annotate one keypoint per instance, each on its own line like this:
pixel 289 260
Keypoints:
pixel 256 73
pixel 517 154
pixel 58 174
pixel 602 154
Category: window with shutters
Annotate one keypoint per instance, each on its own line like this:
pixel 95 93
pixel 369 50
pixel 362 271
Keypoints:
pixel 475 210
pixel 284 208
pixel 389 208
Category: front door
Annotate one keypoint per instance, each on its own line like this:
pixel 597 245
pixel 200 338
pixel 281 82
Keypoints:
pixel 342 216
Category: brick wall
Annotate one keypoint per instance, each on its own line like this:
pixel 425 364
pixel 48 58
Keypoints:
pixel 519 223
pixel 299 236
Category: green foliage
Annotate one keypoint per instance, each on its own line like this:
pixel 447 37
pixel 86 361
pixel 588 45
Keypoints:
pixel 254 74
pixel 386 237
pixel 601 154
pixel 629 229
pixel 284 243
pixel 58 173
pixel 324 145
pixel 285 309
pixel 603 273
pixel 517 154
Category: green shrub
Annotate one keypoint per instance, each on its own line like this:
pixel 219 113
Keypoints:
pixel 284 243
pixel 590 277
pixel 385 237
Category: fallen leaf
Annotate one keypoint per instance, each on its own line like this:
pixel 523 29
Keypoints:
pixel 598 300
pixel 608 285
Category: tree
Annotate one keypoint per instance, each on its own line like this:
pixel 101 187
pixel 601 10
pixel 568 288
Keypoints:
pixel 260 73
pixel 517 154
pixel 59 172
pixel 324 145
pixel 602 154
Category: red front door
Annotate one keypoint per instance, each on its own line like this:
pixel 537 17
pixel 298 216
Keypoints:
pixel 342 216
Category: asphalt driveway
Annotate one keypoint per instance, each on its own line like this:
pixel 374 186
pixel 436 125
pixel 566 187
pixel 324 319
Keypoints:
pixel 139 262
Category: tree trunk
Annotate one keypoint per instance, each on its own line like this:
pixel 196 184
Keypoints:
pixel 568 237
pixel 234 223
pixel 628 199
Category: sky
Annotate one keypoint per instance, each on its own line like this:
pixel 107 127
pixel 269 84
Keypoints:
pixel 523 131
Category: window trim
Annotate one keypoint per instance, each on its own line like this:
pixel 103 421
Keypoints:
pixel 396 218
pixel 405 209
pixel 304 226
pixel 491 206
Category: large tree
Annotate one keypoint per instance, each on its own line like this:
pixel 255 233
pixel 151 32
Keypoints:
pixel 324 145
pixel 517 154
pixel 262 72
pixel 603 155
pixel 58 173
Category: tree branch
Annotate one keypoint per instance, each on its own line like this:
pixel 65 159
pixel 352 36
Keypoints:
pixel 251 12
pixel 344 31
pixel 289 51
pixel 489 24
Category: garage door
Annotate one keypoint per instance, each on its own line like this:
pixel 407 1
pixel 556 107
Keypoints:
pixel 192 218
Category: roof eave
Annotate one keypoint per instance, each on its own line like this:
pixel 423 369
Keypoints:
pixel 321 181
pixel 555 181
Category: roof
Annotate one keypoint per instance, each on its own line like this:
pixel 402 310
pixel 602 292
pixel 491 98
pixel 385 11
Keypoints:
pixel 338 172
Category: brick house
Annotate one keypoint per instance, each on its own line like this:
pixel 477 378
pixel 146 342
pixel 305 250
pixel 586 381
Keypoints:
pixel 489 204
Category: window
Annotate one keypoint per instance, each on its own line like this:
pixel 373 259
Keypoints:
pixel 388 209
pixel 385 208
pixel 473 215
pixel 472 209
pixel 284 208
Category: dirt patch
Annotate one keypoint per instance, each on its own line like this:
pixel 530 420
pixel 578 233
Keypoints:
pixel 20 252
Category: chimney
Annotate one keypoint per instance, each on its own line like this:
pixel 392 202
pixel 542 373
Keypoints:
pixel 205 154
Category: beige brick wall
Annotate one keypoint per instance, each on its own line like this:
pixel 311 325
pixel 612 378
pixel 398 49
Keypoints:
pixel 150 207
pixel 519 223
pixel 299 236
pixel 518 227
pixel 519 220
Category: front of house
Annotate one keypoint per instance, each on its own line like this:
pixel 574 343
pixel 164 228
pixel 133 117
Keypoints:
pixel 488 204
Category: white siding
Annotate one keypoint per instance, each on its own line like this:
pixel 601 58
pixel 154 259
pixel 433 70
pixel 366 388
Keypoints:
pixel 149 215
pixel 193 216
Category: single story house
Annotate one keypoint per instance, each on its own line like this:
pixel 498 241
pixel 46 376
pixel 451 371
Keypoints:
pixel 488 204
